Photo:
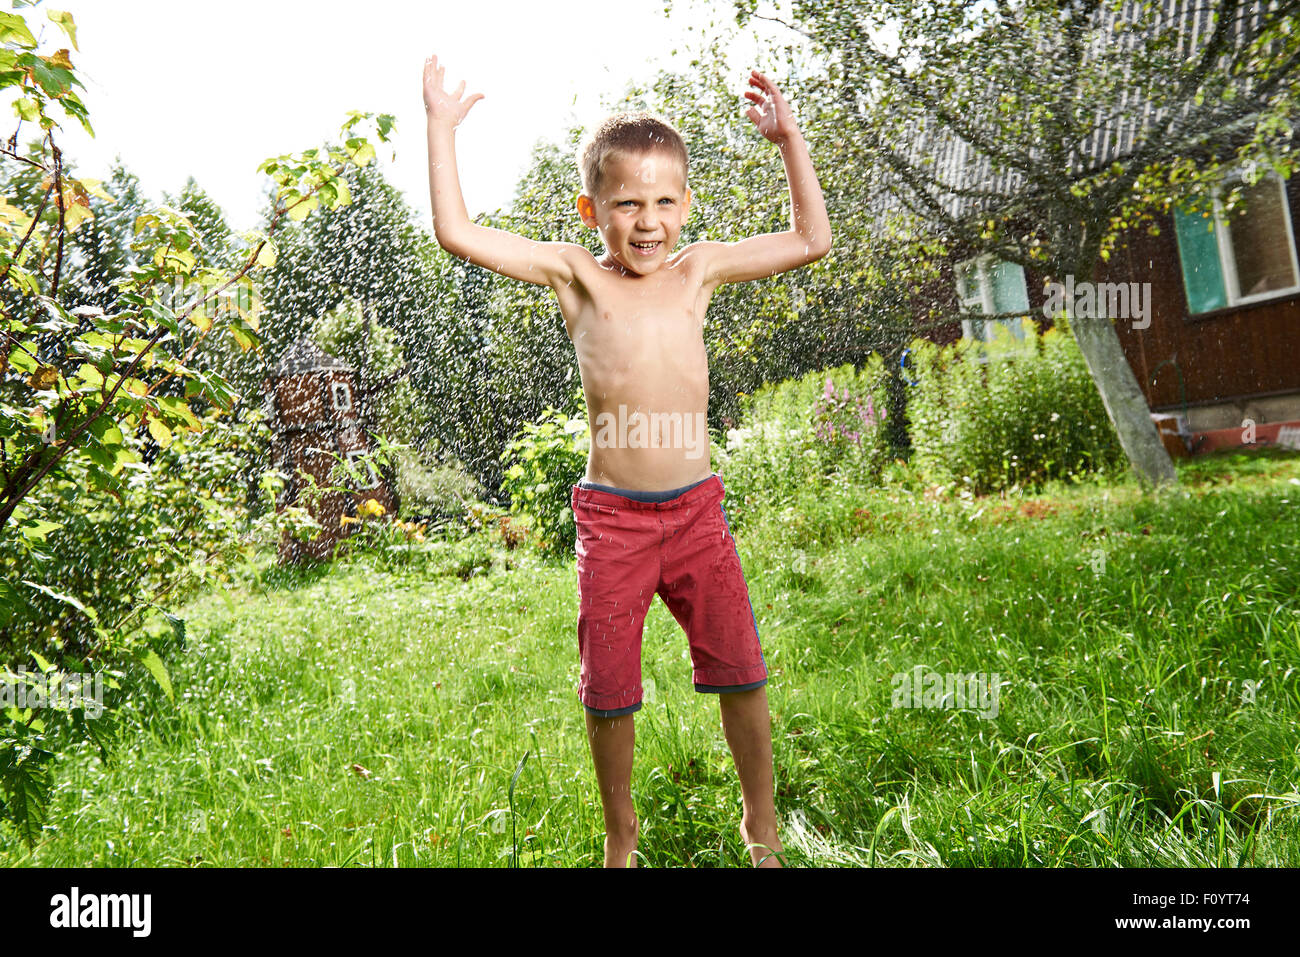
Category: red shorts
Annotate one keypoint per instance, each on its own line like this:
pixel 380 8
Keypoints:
pixel 682 550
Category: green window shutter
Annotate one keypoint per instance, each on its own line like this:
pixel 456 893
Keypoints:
pixel 1198 248
pixel 1009 292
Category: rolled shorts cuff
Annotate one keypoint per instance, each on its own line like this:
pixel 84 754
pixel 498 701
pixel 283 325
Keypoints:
pixel 612 712
pixel 738 679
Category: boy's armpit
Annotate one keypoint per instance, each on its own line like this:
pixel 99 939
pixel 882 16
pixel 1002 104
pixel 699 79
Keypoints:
pixel 575 258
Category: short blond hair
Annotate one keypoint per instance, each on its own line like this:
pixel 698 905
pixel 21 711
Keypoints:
pixel 627 133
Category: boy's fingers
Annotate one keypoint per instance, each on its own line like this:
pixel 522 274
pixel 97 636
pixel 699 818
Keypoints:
pixel 768 84
pixel 459 90
pixel 752 114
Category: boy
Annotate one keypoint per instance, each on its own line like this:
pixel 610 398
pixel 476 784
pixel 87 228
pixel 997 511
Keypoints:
pixel 649 510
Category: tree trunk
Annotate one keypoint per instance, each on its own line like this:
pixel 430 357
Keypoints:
pixel 1124 402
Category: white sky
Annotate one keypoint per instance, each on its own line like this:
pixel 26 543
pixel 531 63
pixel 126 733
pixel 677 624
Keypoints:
pixel 212 89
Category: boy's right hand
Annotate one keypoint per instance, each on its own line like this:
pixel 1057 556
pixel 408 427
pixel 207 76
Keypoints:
pixel 441 106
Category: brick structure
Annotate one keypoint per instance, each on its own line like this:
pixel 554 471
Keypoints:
pixel 315 407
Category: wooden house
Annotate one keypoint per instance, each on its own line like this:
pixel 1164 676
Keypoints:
pixel 1211 304
pixel 315 409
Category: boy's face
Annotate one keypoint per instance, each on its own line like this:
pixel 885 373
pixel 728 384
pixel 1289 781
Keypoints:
pixel 639 209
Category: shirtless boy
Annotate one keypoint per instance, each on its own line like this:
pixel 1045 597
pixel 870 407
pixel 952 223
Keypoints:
pixel 649 510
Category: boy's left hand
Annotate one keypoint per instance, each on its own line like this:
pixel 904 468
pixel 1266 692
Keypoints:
pixel 770 113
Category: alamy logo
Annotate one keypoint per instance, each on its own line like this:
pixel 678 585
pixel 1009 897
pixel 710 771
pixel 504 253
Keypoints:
pixel 919 689
pixel 653 430
pixel 102 910
pixel 1101 300
pixel 32 689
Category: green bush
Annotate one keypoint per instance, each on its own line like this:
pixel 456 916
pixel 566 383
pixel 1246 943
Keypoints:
pixel 87 602
pixel 792 436
pixel 1007 413
pixel 848 422
pixel 542 463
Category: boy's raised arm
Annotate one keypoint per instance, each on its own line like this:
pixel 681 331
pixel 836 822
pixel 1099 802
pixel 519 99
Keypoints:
pixel 546 264
pixel 809 237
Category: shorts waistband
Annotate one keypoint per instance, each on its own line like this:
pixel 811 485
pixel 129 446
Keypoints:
pixel 591 493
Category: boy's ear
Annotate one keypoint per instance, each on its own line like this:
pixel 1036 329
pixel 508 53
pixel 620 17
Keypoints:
pixel 686 204
pixel 587 210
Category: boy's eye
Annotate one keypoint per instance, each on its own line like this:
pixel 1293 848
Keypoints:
pixel 627 202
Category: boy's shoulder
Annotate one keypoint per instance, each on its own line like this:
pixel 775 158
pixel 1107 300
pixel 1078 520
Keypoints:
pixel 700 250
pixel 699 258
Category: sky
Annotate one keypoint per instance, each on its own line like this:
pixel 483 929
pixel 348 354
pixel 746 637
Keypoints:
pixel 211 90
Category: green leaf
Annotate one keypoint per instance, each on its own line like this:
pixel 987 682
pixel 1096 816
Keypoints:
pixel 243 337
pixel 363 155
pixel 156 668
pixel 64 19
pixel 13 28
pixel 9 602
pixel 35 529
pixel 27 788
pixel 225 596
pixel 302 209
pixel 266 255
pixel 162 435
pixel 178 626
pixel 66 599
pixel 178 410
pixel 27 109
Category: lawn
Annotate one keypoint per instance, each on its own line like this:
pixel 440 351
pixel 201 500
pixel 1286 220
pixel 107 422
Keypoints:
pixel 375 712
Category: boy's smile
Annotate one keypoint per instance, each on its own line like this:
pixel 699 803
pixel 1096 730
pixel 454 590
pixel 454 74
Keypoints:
pixel 639 210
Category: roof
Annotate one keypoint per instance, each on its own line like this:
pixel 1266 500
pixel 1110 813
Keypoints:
pixel 972 181
pixel 305 356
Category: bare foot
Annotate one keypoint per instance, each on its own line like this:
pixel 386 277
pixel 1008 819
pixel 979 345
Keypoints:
pixel 764 846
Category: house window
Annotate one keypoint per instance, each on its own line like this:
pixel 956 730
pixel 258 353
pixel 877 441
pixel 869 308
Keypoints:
pixel 355 454
pixel 1247 255
pixel 342 396
pixel 988 286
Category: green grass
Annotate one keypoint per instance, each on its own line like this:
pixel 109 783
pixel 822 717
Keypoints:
pixel 1125 629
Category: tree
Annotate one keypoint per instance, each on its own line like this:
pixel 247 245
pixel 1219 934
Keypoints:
pixel 1040 131
pixel 100 249
pixel 78 379
pixel 371 256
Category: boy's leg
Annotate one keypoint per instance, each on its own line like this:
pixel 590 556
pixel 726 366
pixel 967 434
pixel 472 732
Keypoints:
pixel 617 564
pixel 612 741
pixel 703 585
pixel 748 727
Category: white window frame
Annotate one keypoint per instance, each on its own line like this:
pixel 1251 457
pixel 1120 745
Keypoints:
pixel 982 302
pixel 335 388
pixel 1228 262
pixel 354 454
